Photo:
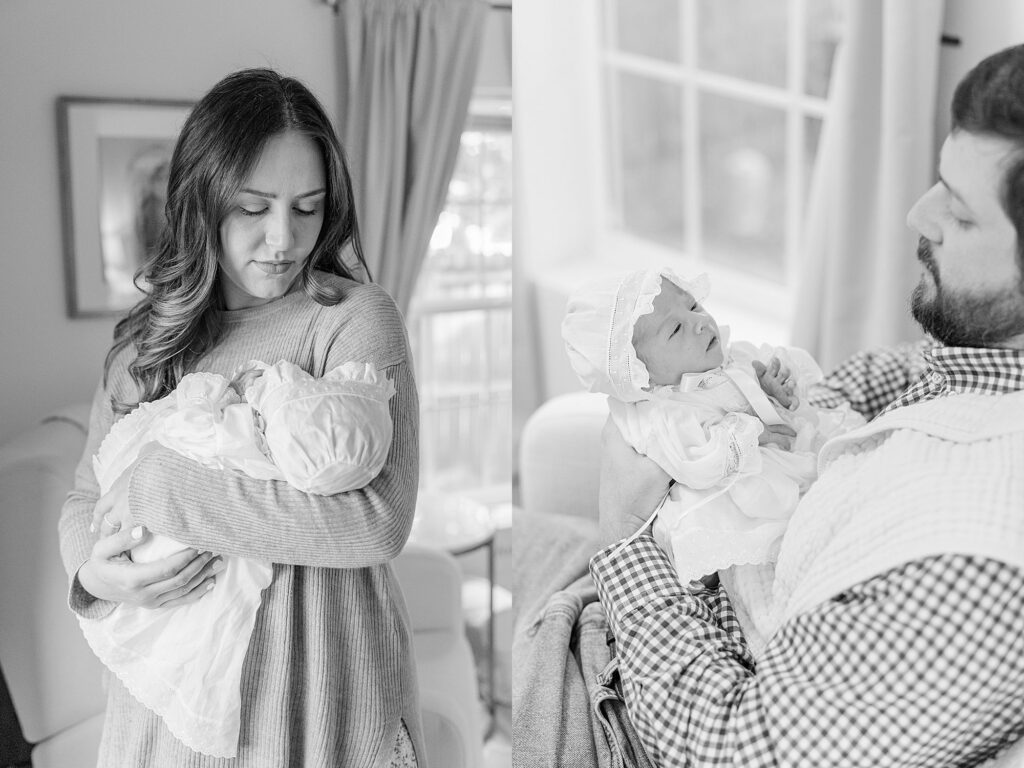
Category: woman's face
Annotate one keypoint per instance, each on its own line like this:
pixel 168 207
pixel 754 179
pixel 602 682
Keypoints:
pixel 273 223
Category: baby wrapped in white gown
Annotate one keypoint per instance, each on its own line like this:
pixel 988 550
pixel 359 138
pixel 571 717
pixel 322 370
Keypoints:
pixel 732 498
pixel 323 436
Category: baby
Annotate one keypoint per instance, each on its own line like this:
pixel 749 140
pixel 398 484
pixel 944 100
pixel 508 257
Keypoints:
pixel 323 436
pixel 708 413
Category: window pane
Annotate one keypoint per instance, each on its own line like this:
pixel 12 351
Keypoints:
pixel 647 27
pixel 460 323
pixel 465 393
pixel 649 115
pixel 495 167
pixel 824 26
pixel 743 38
pixel 742 150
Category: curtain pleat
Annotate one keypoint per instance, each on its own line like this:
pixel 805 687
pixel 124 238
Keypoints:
pixel 407 73
pixel 877 156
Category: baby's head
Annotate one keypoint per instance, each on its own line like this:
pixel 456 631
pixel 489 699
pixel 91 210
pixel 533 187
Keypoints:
pixel 630 333
pixel 677 337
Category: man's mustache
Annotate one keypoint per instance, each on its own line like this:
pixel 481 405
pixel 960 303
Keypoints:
pixel 924 255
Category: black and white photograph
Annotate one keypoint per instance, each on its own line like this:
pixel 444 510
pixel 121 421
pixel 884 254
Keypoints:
pixel 512 384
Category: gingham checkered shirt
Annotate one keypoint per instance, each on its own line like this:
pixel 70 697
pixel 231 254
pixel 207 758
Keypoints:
pixel 831 688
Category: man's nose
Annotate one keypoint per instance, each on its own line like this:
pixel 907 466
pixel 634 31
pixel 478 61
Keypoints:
pixel 922 215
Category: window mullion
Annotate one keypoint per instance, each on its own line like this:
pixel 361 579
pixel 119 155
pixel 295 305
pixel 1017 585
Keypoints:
pixel 691 131
pixel 796 66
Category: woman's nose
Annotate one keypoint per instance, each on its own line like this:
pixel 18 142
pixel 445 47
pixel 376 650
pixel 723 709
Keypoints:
pixel 279 232
pixel 922 215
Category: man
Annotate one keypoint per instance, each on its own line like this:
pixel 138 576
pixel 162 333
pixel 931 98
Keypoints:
pixel 900 584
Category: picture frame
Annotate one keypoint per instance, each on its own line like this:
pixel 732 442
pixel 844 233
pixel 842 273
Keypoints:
pixel 113 157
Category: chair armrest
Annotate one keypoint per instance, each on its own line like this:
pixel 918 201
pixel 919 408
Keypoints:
pixel 432 584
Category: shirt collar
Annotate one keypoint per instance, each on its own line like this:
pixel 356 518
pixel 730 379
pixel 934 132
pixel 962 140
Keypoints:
pixel 978 370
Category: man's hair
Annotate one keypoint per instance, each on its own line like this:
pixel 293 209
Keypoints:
pixel 990 101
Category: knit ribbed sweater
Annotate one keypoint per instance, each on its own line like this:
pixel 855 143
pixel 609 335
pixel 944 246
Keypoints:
pixel 329 675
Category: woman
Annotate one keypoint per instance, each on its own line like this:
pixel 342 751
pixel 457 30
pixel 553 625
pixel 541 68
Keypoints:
pixel 259 214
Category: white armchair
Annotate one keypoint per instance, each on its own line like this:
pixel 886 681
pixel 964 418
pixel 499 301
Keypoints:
pixel 560 455
pixel 55 681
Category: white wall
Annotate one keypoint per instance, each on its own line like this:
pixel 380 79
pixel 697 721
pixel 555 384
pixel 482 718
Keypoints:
pixel 115 48
pixel 558 167
pixel 983 27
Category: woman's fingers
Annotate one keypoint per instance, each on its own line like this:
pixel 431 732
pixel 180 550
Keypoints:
pixel 174 572
pixel 199 583
pixel 118 541
pixel 192 596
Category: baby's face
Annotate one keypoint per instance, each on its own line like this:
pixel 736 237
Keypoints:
pixel 677 337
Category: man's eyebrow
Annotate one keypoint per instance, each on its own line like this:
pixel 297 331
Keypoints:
pixel 952 190
pixel 272 196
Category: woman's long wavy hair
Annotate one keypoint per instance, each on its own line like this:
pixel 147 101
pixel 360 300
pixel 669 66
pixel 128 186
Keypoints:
pixel 178 321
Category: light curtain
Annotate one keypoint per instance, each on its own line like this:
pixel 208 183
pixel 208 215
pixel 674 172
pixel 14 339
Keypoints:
pixel 407 69
pixel 877 156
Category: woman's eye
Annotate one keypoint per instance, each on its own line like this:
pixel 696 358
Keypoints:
pixel 306 212
pixel 251 212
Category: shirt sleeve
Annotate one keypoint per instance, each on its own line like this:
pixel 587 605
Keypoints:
pixel 872 379
pixel 915 667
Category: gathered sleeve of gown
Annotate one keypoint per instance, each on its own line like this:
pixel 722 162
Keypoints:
pixel 695 444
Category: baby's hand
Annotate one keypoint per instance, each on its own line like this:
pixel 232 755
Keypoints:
pixel 244 378
pixel 776 382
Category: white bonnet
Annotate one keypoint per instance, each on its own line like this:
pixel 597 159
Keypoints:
pixel 598 329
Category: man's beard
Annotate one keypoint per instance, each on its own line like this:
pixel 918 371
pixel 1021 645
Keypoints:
pixel 960 320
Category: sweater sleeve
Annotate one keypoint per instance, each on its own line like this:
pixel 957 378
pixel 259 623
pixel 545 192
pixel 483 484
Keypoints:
pixel 76 541
pixel 233 514
pixel 230 513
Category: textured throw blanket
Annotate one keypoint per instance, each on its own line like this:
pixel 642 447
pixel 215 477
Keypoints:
pixel 568 714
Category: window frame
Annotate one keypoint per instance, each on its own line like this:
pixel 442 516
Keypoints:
pixel 762 297
pixel 490 110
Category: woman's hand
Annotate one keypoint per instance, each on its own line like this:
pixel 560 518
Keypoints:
pixel 109 574
pixel 112 513
pixel 631 486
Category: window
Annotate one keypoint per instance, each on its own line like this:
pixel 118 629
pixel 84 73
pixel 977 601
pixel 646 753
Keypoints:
pixel 713 112
pixel 461 319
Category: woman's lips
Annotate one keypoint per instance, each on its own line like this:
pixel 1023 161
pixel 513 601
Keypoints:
pixel 274 267
pixel 714 340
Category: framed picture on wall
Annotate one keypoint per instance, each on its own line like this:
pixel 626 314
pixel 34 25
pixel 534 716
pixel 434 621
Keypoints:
pixel 114 157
